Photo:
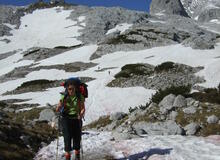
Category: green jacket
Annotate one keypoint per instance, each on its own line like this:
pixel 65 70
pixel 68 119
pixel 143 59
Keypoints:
pixel 72 107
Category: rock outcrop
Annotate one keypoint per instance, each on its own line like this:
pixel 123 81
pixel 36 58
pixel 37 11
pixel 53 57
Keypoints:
pixel 168 7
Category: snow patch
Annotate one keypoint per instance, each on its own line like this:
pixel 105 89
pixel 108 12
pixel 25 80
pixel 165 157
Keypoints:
pixel 50 28
pixel 120 27
pixel 151 147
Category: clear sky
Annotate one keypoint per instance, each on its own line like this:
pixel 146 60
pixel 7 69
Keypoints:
pixel 141 5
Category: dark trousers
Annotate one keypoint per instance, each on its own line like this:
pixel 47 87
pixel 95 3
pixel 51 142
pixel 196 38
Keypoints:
pixel 71 129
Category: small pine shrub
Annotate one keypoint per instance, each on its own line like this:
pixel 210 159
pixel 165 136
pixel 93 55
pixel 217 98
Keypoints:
pixel 133 69
pixel 164 66
pixel 35 82
pixel 219 88
pixel 132 109
pixel 176 90
pixel 123 74
pixel 211 95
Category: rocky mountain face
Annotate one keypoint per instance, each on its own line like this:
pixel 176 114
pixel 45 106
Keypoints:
pixel 202 10
pixel 168 7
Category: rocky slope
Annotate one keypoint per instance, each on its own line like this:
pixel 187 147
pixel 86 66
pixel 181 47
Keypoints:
pixel 23 133
pixel 173 115
pixel 168 7
pixel 202 10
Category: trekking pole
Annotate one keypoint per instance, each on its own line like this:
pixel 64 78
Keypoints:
pixel 81 146
pixel 57 145
pixel 58 129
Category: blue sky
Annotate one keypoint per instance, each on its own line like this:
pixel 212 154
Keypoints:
pixel 141 5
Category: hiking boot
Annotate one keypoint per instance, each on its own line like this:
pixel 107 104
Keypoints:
pixel 67 156
pixel 77 154
pixel 77 157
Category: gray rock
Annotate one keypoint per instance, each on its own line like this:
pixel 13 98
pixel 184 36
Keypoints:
pixel 173 115
pixel 191 128
pixel 190 101
pixel 167 103
pixel 189 110
pixel 10 110
pixel 209 14
pixel 212 119
pixel 111 126
pixel 11 15
pixel 117 116
pixel 158 128
pixel 168 7
pixel 179 101
pixel 152 105
pixel 46 115
pixel 199 42
pixel 203 10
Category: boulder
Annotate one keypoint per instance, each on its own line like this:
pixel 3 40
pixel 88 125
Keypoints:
pixel 191 128
pixel 167 103
pixel 173 115
pixel 117 116
pixel 46 115
pixel 212 119
pixel 158 128
pixel 189 110
pixel 179 101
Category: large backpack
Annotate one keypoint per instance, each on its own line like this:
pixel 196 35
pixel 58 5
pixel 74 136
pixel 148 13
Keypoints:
pixel 81 89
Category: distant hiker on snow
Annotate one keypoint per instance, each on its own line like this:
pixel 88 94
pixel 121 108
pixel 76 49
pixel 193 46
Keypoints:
pixel 72 109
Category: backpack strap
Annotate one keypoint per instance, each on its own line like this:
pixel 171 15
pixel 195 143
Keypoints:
pixel 79 105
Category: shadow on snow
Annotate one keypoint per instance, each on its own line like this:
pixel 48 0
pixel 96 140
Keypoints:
pixel 146 154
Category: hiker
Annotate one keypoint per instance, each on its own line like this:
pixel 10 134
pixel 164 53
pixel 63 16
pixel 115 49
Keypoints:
pixel 71 119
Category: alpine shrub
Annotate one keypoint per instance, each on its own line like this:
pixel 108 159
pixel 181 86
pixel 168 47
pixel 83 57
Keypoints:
pixel 176 90
pixel 211 95
pixel 164 66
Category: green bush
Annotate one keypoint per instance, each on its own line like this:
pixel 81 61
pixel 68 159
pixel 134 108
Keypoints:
pixel 164 66
pixel 211 95
pixel 133 69
pixel 35 82
pixel 132 109
pixel 176 90
pixel 219 88
pixel 38 5
pixel 123 74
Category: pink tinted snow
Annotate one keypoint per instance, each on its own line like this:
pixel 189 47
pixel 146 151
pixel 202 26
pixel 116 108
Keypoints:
pixel 157 157
pixel 215 139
